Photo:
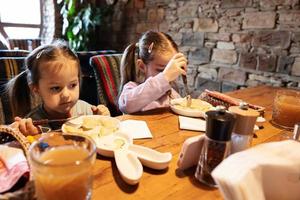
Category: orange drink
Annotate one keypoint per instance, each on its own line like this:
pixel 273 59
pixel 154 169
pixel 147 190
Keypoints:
pixel 286 108
pixel 63 170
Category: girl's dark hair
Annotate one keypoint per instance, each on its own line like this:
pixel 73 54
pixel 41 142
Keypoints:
pixel 18 88
pixel 158 42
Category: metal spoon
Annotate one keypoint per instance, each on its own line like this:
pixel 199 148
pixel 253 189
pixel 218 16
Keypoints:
pixel 188 96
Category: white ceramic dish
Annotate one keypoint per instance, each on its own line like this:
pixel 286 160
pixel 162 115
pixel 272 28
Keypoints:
pixel 130 157
pixel 94 126
pixel 129 166
pixel 197 109
pixel 107 145
pixel 151 158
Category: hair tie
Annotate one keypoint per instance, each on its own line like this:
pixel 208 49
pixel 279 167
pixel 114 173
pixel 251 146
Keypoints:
pixel 150 47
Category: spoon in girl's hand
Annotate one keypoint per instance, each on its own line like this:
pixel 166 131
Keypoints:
pixel 188 96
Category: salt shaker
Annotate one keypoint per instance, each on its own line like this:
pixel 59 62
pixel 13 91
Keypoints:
pixel 242 135
pixel 216 144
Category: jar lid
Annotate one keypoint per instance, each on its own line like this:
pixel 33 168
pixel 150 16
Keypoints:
pixel 244 110
pixel 219 124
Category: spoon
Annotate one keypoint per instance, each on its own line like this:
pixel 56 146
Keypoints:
pixel 188 96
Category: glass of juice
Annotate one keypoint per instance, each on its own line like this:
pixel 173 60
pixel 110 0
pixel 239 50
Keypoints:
pixel 62 166
pixel 286 109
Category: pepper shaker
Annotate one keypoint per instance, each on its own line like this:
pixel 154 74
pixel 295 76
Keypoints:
pixel 242 135
pixel 216 144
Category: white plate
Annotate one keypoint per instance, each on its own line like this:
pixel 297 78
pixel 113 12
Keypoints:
pixel 94 126
pixel 179 106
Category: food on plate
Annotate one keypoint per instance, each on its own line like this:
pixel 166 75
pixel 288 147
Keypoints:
pixel 119 143
pixel 71 129
pixel 90 123
pixel 197 105
pixel 93 126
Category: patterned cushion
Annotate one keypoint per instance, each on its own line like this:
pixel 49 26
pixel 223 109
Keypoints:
pixel 25 44
pixel 84 58
pixel 88 91
pixel 107 73
pixel 6 113
pixel 13 53
pixel 9 68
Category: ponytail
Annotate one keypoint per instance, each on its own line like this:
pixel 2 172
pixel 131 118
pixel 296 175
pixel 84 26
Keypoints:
pixel 19 95
pixel 127 67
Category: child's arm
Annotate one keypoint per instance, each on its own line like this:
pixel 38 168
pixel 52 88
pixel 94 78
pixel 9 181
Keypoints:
pixel 25 126
pixel 100 110
pixel 135 97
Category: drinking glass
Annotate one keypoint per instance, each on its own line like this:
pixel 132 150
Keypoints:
pixel 286 109
pixel 62 166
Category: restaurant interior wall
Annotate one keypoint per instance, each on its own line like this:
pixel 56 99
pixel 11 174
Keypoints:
pixel 229 44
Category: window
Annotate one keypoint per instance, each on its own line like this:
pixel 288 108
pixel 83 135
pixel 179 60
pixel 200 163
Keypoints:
pixel 20 19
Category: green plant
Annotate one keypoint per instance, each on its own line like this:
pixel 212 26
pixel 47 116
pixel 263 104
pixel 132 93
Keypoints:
pixel 80 20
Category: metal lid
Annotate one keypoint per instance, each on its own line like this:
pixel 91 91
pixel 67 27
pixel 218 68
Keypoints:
pixel 219 124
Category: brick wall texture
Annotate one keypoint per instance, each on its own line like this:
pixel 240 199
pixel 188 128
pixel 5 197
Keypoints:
pixel 229 44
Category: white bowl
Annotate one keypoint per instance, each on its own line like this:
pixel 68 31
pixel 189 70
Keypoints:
pixel 197 109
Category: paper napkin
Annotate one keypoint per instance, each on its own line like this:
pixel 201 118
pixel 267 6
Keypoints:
pixel 137 129
pixel 13 166
pixel 193 124
pixel 266 171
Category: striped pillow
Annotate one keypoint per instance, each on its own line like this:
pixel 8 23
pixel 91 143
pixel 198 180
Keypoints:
pixel 88 91
pixel 107 74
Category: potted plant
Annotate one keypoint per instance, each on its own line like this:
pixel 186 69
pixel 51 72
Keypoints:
pixel 80 20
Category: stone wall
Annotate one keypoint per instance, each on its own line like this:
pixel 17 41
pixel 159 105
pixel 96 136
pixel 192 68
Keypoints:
pixel 229 43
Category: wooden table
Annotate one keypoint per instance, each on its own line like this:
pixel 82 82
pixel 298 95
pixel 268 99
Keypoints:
pixel 167 137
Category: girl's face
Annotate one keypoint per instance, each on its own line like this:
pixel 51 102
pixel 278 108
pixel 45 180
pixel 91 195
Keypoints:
pixel 58 87
pixel 158 64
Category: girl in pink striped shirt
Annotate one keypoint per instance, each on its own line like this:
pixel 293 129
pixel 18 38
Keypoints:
pixel 156 56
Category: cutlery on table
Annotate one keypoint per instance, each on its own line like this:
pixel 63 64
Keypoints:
pixel 46 121
pixel 188 96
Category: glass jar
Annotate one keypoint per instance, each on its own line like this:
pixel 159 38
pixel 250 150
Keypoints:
pixel 216 145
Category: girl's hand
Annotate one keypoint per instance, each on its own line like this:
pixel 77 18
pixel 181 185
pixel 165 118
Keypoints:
pixel 176 66
pixel 25 126
pixel 100 110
